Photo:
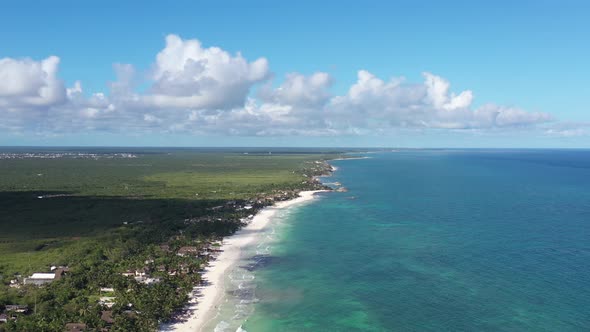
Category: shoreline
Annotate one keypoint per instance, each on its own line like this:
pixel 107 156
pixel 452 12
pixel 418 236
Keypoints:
pixel 204 299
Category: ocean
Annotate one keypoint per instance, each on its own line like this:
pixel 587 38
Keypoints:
pixel 427 240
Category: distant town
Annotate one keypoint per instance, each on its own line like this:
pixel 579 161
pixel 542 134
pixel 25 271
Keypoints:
pixel 73 155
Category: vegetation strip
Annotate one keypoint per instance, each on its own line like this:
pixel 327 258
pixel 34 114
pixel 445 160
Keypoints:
pixel 117 241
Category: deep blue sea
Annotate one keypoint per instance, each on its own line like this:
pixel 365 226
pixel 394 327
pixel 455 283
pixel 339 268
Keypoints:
pixel 436 240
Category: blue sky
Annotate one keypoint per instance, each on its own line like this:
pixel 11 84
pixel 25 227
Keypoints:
pixel 530 55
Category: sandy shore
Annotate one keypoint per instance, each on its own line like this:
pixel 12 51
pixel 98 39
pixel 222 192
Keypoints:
pixel 206 298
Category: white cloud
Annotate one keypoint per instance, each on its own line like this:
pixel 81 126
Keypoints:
pixel 373 103
pixel 300 90
pixel 437 91
pixel 206 90
pixel 25 83
pixel 188 75
pixel 491 115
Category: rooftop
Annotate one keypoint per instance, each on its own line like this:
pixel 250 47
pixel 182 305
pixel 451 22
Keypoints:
pixel 43 276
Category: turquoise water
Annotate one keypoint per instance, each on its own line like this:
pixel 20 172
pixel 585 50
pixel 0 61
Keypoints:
pixel 436 241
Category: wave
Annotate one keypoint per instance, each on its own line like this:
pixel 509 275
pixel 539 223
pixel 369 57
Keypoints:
pixel 241 281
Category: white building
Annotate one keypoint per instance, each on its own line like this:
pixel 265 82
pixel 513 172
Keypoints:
pixel 107 301
pixel 40 279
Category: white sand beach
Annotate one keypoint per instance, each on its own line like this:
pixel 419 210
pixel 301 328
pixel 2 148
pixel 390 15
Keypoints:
pixel 205 298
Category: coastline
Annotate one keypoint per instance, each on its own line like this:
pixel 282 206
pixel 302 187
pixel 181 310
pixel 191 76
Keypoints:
pixel 204 299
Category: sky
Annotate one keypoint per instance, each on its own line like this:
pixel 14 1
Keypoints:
pixel 305 73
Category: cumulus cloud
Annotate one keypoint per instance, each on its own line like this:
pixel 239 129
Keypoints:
pixel 202 90
pixel 25 83
pixel 300 90
pixel 28 91
pixel 188 75
pixel 439 95
pixel 491 115
pixel 374 103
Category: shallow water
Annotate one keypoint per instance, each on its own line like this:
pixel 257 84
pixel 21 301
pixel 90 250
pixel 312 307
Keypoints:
pixel 478 240
pixel 241 280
